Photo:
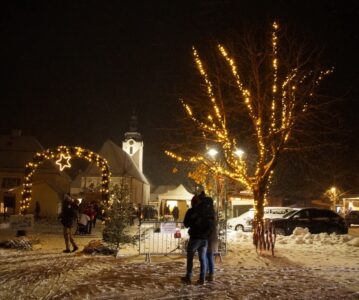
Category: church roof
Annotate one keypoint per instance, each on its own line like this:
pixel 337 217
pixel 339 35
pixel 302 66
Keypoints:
pixel 121 164
pixel 161 189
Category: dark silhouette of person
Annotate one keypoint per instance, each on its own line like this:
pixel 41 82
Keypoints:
pixel 200 221
pixel 37 210
pixel 212 244
pixel 68 218
pixel 175 213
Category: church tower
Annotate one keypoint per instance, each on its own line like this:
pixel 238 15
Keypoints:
pixel 133 143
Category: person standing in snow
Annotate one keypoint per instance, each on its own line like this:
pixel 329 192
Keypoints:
pixel 200 221
pixel 212 244
pixel 175 213
pixel 37 210
pixel 68 218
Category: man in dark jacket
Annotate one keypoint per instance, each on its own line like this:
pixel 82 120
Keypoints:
pixel 68 217
pixel 200 221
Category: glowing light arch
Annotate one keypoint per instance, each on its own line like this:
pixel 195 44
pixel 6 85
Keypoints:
pixel 59 154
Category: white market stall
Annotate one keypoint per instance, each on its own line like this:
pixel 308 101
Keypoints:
pixel 179 197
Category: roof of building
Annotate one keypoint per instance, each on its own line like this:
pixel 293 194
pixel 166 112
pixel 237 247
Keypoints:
pixel 120 163
pixel 163 189
pixel 17 150
pixel 51 183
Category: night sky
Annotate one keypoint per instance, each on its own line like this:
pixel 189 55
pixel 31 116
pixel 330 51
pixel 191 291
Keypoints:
pixel 73 71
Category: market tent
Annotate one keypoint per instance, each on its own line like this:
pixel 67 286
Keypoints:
pixel 179 197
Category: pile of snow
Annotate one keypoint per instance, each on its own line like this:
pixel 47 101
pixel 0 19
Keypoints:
pixel 354 242
pixel 299 236
pixel 99 247
pixel 19 244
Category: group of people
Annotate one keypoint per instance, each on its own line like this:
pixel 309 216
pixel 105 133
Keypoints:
pixel 74 215
pixel 87 219
pixel 203 231
pixel 200 219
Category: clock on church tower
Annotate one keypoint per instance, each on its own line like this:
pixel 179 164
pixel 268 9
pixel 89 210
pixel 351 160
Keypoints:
pixel 133 144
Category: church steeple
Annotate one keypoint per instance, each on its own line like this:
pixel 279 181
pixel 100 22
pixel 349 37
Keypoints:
pixel 133 129
pixel 133 122
pixel 133 143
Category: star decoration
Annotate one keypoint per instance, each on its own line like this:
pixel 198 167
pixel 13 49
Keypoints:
pixel 63 162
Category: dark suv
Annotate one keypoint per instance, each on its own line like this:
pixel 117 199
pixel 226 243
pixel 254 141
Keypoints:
pixel 352 217
pixel 317 220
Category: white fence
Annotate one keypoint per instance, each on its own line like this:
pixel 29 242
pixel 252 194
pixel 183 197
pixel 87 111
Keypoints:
pixel 170 238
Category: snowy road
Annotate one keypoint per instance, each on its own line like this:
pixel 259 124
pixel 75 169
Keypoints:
pixel 50 275
pixel 305 266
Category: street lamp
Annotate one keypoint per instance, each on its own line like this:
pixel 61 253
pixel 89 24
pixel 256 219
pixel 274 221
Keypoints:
pixel 213 153
pixel 333 191
pixel 239 153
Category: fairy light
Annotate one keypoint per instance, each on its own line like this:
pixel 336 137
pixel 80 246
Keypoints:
pixel 63 153
pixel 275 74
pixel 64 162
pixel 208 85
pixel 273 117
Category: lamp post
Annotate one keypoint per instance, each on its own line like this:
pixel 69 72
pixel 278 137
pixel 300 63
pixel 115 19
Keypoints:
pixel 334 196
pixel 213 153
pixel 222 192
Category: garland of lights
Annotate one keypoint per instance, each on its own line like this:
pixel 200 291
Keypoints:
pixel 63 155
pixel 272 126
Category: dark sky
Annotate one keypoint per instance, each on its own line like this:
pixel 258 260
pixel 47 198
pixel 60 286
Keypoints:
pixel 72 71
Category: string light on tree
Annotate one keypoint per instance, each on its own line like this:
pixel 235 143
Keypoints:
pixel 273 99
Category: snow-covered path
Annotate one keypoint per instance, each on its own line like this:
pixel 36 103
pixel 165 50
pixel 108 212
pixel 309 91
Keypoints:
pixel 53 275
pixel 304 267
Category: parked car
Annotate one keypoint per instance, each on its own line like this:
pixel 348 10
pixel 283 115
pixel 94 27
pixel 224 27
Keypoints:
pixel 317 220
pixel 244 221
pixel 352 218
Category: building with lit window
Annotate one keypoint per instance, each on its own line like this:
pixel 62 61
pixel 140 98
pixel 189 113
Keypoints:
pixel 49 184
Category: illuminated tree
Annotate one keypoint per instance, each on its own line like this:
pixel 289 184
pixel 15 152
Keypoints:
pixel 333 194
pixel 261 103
pixel 202 175
pixel 118 217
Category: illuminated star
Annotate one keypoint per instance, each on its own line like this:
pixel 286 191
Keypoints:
pixel 63 162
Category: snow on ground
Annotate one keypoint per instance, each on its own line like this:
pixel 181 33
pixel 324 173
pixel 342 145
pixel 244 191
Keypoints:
pixel 305 266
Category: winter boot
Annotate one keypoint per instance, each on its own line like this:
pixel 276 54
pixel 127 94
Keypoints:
pixel 210 277
pixel 186 280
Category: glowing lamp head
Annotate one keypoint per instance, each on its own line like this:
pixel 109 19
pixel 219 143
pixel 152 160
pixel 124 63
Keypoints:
pixel 212 152
pixel 239 153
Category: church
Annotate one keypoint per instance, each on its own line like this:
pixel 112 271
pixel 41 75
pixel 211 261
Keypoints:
pixel 51 184
pixel 126 166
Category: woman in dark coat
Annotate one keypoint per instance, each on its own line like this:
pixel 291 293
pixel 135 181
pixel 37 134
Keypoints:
pixel 69 216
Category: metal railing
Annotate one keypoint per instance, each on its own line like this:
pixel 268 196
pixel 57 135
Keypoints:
pixel 171 238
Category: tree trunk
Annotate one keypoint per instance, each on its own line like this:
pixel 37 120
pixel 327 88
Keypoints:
pixel 258 195
pixel 263 233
